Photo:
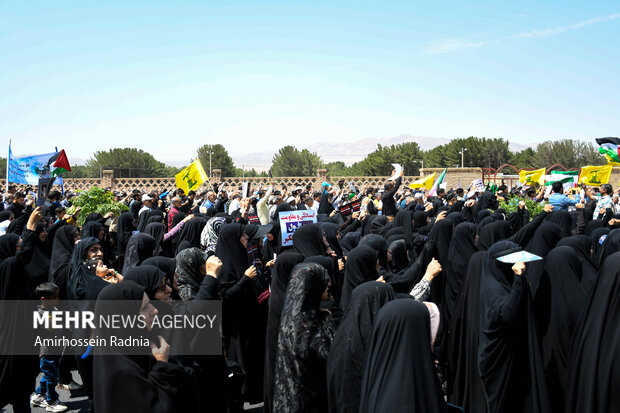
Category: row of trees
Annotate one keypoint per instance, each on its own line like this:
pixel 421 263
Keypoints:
pixel 480 152
pixel 290 161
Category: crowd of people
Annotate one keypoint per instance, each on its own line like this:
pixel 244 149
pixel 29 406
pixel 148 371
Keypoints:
pixel 401 304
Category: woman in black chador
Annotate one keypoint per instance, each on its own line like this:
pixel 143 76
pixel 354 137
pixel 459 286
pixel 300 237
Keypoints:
pixel 508 354
pixel 306 333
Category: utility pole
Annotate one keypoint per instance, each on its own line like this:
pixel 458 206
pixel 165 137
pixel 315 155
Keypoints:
pixel 210 170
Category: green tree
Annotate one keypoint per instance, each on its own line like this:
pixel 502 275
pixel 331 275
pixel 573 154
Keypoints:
pixel 441 156
pixel 171 170
pixel 220 159
pixel 127 163
pixel 379 162
pixel 409 155
pixel 482 152
pixel 290 161
pixel 497 153
pixel 338 168
pixel 524 159
pixel 250 173
pixel 3 168
pixel 569 153
pixel 81 171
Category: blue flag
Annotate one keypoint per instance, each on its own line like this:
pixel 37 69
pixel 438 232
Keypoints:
pixel 28 169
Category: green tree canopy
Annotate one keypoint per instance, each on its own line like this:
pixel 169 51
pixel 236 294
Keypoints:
pixel 379 162
pixel 81 171
pixel 128 163
pixel 220 159
pixel 3 168
pixel 568 152
pixel 525 159
pixel 482 152
pixel 251 173
pixel 338 168
pixel 290 161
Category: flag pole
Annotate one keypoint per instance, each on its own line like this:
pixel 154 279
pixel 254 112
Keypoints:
pixel 8 162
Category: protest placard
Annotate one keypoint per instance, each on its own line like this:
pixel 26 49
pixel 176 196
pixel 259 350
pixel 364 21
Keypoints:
pixel 476 186
pixel 291 220
pixel 397 170
pixel 348 209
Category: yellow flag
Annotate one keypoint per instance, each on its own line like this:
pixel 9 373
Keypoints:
pixel 595 175
pixel 532 177
pixel 191 177
pixel 423 182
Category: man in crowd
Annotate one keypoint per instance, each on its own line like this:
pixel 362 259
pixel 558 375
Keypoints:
pixel 559 200
pixel 604 201
pixel 387 199
pixel 7 198
pixel 175 209
pixel 234 202
pixel 147 204
pixel 210 200
pixel 18 206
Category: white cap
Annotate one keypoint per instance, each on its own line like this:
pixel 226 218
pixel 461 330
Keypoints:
pixel 146 197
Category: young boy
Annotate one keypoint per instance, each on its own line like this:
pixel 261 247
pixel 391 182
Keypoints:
pixel 45 395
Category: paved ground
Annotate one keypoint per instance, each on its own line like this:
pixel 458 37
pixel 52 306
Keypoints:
pixel 79 402
pixel 75 404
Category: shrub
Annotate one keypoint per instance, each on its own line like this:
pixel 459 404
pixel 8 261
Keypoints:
pixel 96 200
pixel 512 204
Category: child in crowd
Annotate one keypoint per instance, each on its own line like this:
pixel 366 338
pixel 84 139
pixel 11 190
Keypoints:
pixel 97 266
pixel 60 213
pixel 49 358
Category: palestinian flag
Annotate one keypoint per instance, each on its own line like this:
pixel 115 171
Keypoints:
pixel 60 163
pixel 566 177
pixel 610 147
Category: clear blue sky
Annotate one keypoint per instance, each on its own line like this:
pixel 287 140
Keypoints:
pixel 168 76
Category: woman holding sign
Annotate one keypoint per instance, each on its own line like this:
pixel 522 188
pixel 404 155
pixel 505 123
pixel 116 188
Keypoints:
pixel 508 355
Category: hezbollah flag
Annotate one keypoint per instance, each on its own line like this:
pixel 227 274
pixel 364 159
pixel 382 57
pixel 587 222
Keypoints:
pixel 610 147
pixel 423 182
pixel 536 176
pixel 595 175
pixel 191 177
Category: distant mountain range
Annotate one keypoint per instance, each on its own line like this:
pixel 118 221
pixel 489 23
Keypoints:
pixel 347 152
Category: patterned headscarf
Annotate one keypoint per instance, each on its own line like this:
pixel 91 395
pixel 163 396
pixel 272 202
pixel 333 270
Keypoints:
pixel 189 262
pixel 210 234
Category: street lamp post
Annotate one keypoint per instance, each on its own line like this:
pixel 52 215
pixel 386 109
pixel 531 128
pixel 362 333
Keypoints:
pixel 421 162
pixel 463 157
